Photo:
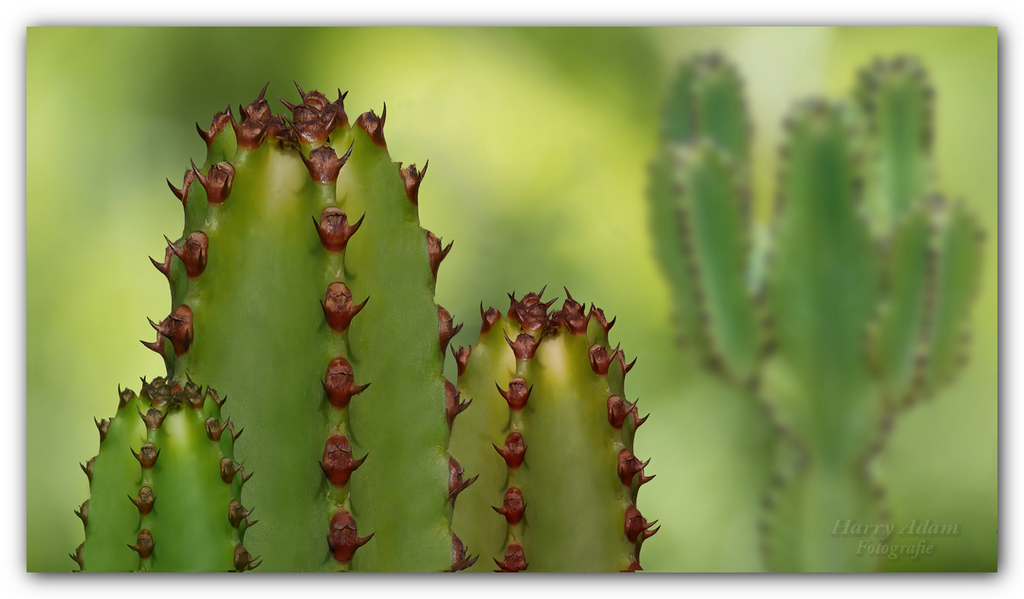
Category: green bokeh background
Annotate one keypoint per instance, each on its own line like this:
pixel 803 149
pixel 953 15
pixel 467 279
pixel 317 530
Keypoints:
pixel 538 141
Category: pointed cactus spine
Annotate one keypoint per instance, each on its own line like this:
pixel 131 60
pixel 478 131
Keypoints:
pixel 344 402
pixel 551 436
pixel 861 308
pixel 165 487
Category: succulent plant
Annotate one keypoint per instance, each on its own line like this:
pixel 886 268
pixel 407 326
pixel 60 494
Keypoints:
pixel 854 308
pixel 328 340
pixel 550 433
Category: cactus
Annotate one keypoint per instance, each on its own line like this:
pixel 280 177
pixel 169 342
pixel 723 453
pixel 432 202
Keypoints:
pixel 330 344
pixel 551 435
pixel 165 489
pixel 856 309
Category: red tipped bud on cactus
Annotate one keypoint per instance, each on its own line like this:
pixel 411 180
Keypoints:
pixel 153 418
pixel 570 316
pixel 637 527
pixel 178 328
pixel 243 561
pixel 445 329
pixel 324 164
pixel 600 359
pixel 518 393
pixel 238 514
pixel 228 469
pixel 338 106
pixel 338 463
pixel 619 409
pixel 104 427
pixel 455 483
pixel 460 561
pixel 343 538
pixel 530 312
pixel 339 309
pixel 182 194
pixel 143 544
pixel 374 126
pixel 217 182
pixel 334 229
pixel 143 500
pixel 215 428
pixel 412 179
pixel 221 120
pixel 435 252
pixel 598 314
pixel 512 506
pixel 524 346
pixel 165 266
pixel 83 512
pixel 146 456
pixel 339 383
pixel 123 397
pixel 491 316
pixel 452 404
pixel 513 452
pixel 515 560
pixel 192 253
pixel 629 465
pixel 462 358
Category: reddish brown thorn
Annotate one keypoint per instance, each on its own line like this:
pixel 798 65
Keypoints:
pixel 182 194
pixel 445 329
pixel 637 527
pixel 622 361
pixel 334 229
pixel 598 314
pixel 512 506
pixel 77 556
pixel 87 468
pixel 459 559
pixel 452 406
pixel 491 316
pixel 530 312
pixel 435 252
pixel 515 560
pixel 146 456
pixel 338 464
pixel 374 126
pixel 339 383
pixel 243 561
pixel 177 327
pixel 343 538
pixel 157 346
pixel 513 452
pixel 214 428
pixel 338 108
pixel 228 469
pixel 83 512
pixel 123 397
pixel 618 409
pixel 324 164
pixel 629 465
pixel 571 315
pixel 153 418
pixel 600 359
pixel 143 544
pixel 143 500
pixel 192 253
pixel 103 426
pixel 236 513
pixel 523 347
pixel 518 393
pixel 412 179
pixel 216 398
pixel 455 483
pixel 231 429
pixel 633 567
pixel 220 122
pixel 462 358
pixel 339 309
pixel 217 182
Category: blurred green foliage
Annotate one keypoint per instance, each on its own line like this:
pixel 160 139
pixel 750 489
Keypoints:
pixel 539 141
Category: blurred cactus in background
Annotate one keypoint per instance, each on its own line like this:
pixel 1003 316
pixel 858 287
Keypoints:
pixel 851 306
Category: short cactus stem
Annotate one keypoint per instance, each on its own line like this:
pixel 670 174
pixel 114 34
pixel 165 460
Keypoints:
pixel 540 384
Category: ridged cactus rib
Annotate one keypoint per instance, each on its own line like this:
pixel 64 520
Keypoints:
pixel 551 434
pixel 861 308
pixel 700 215
pixel 297 318
pixel 165 489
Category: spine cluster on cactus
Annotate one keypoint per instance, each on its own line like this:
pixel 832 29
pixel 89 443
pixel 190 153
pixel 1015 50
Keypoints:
pixel 551 434
pixel 328 336
pixel 857 306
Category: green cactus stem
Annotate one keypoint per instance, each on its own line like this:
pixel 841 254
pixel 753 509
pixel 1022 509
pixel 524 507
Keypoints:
pixel 860 310
pixel 551 434
pixel 326 332
pixel 165 488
